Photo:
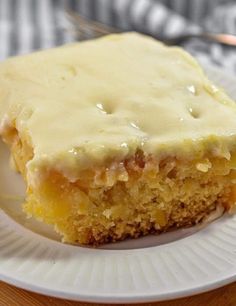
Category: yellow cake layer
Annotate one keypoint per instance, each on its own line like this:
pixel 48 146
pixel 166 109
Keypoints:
pixel 149 201
pixel 118 137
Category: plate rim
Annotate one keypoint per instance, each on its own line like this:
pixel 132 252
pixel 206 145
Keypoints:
pixel 117 298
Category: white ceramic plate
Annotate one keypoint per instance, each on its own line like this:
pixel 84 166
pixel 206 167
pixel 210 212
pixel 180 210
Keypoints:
pixel 153 268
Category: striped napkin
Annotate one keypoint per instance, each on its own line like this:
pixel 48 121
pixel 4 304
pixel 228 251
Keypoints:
pixel 27 25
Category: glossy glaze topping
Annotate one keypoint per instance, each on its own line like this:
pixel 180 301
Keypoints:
pixel 93 102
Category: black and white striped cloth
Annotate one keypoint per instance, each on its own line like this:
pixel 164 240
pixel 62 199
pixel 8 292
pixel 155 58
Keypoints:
pixel 27 25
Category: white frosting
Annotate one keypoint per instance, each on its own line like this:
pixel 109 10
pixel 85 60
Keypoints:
pixel 89 103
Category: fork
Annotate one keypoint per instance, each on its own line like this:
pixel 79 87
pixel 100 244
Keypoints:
pixel 85 28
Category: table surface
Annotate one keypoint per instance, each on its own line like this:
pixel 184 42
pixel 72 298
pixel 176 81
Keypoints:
pixel 12 296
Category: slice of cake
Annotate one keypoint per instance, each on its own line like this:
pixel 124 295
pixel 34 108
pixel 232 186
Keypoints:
pixel 118 137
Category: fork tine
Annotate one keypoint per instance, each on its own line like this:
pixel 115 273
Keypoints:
pixel 89 26
pixel 85 32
